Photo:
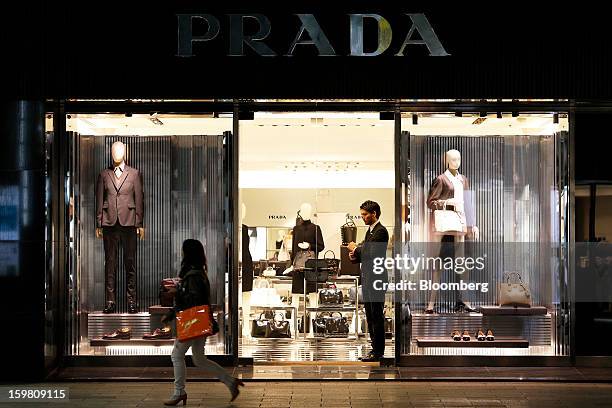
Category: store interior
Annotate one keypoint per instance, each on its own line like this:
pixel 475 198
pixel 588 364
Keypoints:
pixel 316 167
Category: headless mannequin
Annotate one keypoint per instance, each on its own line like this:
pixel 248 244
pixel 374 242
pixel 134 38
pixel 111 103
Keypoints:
pixel 246 269
pixel 456 201
pixel 306 235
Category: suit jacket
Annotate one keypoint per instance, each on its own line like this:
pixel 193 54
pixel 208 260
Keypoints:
pixel 119 199
pixel 373 246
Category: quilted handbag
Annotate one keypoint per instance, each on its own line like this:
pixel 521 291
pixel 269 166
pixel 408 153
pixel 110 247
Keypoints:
pixel 513 292
pixel 330 296
pixel 166 298
pixel 259 326
pixel 194 322
pixel 448 222
pixel 277 329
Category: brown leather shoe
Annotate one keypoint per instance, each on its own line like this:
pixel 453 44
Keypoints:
pixel 159 334
pixel 121 334
pixel 174 401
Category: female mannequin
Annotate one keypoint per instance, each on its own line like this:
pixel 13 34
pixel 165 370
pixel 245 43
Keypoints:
pixel 449 188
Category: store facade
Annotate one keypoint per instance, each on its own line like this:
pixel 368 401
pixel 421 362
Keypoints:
pixel 245 125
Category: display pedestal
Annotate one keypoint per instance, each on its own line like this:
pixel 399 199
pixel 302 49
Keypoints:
pixel 131 342
pixel 513 311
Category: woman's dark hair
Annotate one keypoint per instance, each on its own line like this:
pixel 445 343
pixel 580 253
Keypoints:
pixel 193 256
pixel 371 207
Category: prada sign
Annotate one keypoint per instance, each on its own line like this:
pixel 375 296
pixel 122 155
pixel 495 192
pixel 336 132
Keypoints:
pixel 309 34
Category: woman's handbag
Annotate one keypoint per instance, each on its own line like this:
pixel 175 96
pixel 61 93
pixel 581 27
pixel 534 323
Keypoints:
pixel 448 222
pixel 348 231
pixel 278 329
pixel 316 270
pixel 513 294
pixel 166 298
pixel 327 324
pixel 194 322
pixel 302 255
pixel 259 325
pixel 354 294
pixel 263 294
pixel 333 264
pixel 330 296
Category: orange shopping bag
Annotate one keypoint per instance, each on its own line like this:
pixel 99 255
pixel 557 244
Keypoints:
pixel 194 322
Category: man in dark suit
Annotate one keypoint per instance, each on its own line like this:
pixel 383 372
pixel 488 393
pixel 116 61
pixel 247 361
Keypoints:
pixel 119 213
pixel 373 246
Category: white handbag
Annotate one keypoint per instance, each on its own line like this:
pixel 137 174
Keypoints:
pixel 513 294
pixel 263 294
pixel 448 222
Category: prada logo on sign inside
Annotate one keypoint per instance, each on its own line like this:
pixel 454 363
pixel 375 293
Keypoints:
pixel 277 217
pixel 310 33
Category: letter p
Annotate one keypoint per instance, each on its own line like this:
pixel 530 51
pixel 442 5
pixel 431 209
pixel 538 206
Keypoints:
pixel 185 32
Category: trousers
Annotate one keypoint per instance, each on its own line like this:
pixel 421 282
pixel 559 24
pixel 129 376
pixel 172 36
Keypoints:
pixel 113 237
pixel 199 359
pixel 375 317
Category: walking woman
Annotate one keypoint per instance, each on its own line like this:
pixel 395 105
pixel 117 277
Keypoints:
pixel 194 290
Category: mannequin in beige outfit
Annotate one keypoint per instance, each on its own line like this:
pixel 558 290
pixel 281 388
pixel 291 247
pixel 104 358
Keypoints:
pixel 448 189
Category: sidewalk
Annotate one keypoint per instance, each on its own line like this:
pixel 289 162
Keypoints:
pixel 357 394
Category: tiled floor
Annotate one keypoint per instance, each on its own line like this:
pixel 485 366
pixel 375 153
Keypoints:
pixel 350 372
pixel 355 394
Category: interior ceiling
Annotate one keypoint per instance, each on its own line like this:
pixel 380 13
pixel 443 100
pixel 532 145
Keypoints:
pixel 315 141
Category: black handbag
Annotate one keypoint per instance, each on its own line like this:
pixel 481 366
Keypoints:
pixel 278 329
pixel 316 270
pixel 327 324
pixel 333 264
pixel 330 296
pixel 259 326
pixel 337 325
pixel 348 231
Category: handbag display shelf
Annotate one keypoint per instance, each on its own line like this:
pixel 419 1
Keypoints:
pixel 348 281
pixel 513 311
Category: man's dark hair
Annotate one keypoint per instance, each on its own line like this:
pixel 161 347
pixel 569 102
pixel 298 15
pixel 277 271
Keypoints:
pixel 371 207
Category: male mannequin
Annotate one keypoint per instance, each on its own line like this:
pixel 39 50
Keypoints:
pixel 306 236
pixel 449 188
pixel 119 216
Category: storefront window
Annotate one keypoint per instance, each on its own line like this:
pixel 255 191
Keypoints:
pixel 302 177
pixel 487 196
pixel 173 187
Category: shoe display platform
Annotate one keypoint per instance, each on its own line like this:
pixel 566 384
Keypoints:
pixel 502 342
pixel 132 342
pixel 99 323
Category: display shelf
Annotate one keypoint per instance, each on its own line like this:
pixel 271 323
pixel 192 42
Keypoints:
pixel 499 342
pixel 131 342
pixel 513 311
pixel 331 309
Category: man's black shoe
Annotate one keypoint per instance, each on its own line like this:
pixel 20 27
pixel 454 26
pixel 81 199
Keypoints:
pixel 110 308
pixel 132 308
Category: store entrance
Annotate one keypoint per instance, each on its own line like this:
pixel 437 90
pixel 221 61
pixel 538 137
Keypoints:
pixel 302 179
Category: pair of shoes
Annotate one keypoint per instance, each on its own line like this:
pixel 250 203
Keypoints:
pixel 121 334
pixel 481 336
pixel 110 308
pixel 429 311
pixel 132 307
pixel 175 400
pixel 371 357
pixel 462 307
pixel 235 390
pixel 457 336
pixel 164 333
